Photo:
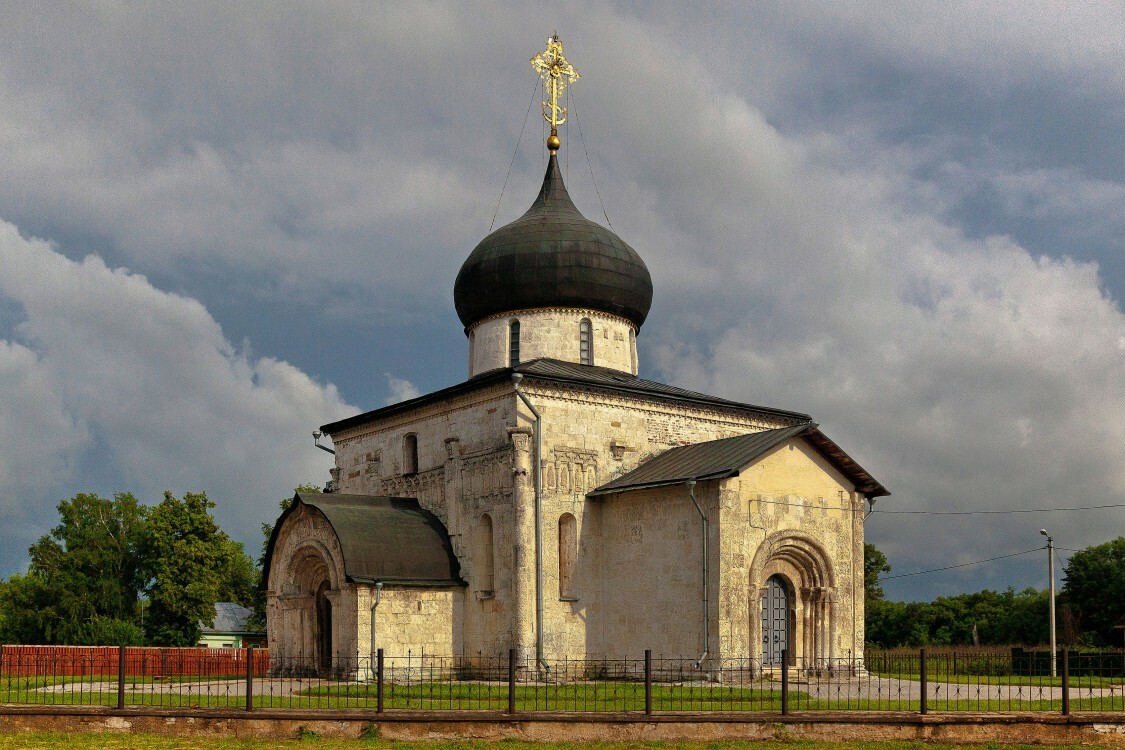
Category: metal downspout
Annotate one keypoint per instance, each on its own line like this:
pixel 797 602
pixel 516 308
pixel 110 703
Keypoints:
pixel 374 604
pixel 516 378
pixel 706 575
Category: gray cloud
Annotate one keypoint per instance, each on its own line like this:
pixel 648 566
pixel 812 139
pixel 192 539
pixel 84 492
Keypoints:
pixel 908 225
pixel 108 364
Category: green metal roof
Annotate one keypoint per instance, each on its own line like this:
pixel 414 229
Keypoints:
pixel 720 459
pixel 390 539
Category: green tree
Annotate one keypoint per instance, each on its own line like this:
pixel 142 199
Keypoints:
pixel 186 557
pixel 874 565
pixel 239 576
pixel 1094 588
pixel 84 575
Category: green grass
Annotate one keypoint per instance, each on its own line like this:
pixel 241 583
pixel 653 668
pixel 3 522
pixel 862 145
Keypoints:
pixel 604 696
pixel 599 696
pixel 1024 680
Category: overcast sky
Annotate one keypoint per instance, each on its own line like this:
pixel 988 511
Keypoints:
pixel 224 225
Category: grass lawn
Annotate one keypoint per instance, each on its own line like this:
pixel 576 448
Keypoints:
pixel 151 742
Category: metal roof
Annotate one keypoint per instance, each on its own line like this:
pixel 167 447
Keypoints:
pixel 552 256
pixel 229 618
pixel 391 539
pixel 720 459
pixel 557 371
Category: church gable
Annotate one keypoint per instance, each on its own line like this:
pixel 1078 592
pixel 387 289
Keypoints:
pixel 758 454
pixel 794 467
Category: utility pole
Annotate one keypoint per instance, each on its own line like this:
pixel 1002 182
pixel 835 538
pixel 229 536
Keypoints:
pixel 1051 589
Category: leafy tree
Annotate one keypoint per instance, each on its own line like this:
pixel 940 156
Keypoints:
pixel 239 576
pixel 985 617
pixel 874 565
pixel 85 572
pixel 100 631
pixel 1094 588
pixel 186 556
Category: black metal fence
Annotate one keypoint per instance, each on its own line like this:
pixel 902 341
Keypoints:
pixel 510 684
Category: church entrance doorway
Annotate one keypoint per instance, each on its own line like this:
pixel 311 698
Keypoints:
pixel 775 621
pixel 323 630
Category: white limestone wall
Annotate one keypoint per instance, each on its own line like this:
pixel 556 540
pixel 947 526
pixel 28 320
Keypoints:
pixel 589 439
pixel 413 622
pixel 465 462
pixel 792 514
pixel 470 467
pixel 649 582
pixel 553 333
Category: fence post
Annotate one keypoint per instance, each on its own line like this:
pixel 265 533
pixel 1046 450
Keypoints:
pixel 784 681
pixel 379 680
pixel 511 681
pixel 120 677
pixel 250 677
pixel 1066 682
pixel 922 708
pixel 648 682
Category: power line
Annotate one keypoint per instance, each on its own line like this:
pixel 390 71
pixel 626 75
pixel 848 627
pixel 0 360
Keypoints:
pixel 963 565
pixel 997 512
pixel 814 506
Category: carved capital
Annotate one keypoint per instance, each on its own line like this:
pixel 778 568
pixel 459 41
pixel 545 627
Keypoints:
pixel 451 444
pixel 521 438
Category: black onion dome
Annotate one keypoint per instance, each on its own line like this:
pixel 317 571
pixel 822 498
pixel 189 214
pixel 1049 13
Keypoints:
pixel 552 256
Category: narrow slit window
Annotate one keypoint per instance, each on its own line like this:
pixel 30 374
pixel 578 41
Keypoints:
pixel 568 555
pixel 514 343
pixel 485 556
pixel 585 343
pixel 410 454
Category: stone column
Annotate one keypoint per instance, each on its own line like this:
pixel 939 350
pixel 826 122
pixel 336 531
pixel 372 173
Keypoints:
pixel 808 620
pixel 523 541
pixel 453 496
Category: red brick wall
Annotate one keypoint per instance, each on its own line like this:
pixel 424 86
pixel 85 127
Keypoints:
pixel 140 661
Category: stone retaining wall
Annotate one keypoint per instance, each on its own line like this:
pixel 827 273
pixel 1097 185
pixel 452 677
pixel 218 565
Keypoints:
pixel 1107 730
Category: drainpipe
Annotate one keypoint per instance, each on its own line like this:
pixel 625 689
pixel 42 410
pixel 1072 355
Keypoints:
pixel 316 442
pixel 706 574
pixel 374 604
pixel 537 466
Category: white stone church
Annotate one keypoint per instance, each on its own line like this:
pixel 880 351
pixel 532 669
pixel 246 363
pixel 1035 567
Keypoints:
pixel 557 503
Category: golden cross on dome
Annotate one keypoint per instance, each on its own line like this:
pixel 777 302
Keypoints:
pixel 556 73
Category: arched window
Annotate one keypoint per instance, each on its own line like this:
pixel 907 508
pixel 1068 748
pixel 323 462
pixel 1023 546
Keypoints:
pixel 568 555
pixel 633 349
pixel 484 557
pixel 513 343
pixel 410 454
pixel 585 343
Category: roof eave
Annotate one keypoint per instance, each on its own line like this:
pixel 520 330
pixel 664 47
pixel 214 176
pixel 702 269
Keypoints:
pixel 726 474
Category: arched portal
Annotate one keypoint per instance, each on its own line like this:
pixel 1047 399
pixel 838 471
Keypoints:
pixel 323 630
pixel 796 588
pixel 775 621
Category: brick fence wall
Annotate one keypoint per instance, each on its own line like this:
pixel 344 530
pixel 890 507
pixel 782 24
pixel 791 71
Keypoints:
pixel 140 661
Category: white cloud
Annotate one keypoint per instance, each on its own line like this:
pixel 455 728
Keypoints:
pixel 966 374
pixel 401 390
pixel 109 369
